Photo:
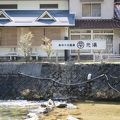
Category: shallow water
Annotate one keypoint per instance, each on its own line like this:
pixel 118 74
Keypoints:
pixel 12 113
pixel 16 110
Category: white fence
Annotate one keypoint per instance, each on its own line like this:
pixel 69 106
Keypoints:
pixel 97 57
pixel 106 57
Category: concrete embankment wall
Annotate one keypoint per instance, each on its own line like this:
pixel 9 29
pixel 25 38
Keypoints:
pixel 34 84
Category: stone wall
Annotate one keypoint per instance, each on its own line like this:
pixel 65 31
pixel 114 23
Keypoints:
pixel 18 86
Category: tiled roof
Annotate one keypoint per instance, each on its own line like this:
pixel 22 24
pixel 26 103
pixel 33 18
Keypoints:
pixel 96 24
pixel 28 18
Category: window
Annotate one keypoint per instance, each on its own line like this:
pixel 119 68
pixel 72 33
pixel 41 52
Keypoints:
pixel 8 6
pixel 109 42
pixel 91 10
pixel 48 6
pixel 93 35
pixel 81 37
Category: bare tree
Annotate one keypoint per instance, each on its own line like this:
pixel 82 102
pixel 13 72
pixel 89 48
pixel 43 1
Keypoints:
pixel 25 45
pixel 47 46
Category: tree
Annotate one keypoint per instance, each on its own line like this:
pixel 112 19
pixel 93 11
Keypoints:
pixel 47 46
pixel 25 45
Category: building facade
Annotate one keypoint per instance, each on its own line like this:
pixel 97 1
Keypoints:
pixel 58 20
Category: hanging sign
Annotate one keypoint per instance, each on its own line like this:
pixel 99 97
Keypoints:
pixel 78 44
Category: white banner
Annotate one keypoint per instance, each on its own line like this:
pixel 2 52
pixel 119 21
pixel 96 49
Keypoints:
pixel 78 44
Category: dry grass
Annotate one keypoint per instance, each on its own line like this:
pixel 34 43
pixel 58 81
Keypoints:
pixel 88 111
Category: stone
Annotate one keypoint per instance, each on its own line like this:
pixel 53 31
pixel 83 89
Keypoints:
pixel 50 103
pixel 40 110
pixel 71 118
pixel 32 116
pixel 61 104
pixel 43 105
pixel 71 106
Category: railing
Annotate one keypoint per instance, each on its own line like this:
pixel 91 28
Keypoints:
pixel 89 57
pixel 107 57
pixel 114 58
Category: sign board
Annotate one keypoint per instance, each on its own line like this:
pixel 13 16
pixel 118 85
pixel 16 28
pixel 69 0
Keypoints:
pixel 78 44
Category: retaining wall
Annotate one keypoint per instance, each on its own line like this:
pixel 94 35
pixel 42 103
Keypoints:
pixel 17 86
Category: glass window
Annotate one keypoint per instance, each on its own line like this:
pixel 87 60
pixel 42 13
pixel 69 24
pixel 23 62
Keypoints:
pixel 96 35
pixel 81 37
pixel 8 6
pixel 75 37
pixel 86 10
pixel 85 37
pixel 102 31
pixel 48 6
pixel 96 10
pixel 91 10
pixel 109 42
pixel 85 31
pixel 75 31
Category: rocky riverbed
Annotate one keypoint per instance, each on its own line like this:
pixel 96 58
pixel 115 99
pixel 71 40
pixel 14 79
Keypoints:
pixel 56 110
pixel 28 110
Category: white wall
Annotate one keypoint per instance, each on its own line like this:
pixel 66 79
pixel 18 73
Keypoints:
pixel 106 6
pixel 34 4
pixel 75 7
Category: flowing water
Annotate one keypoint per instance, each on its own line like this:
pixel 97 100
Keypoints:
pixel 16 110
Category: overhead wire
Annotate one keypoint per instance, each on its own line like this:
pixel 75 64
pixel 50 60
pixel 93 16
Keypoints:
pixel 74 84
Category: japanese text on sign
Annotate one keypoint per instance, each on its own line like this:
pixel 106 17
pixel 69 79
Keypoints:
pixel 78 44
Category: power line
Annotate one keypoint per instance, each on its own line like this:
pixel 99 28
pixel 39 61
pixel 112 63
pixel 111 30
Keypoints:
pixel 74 84
pixel 110 84
pixel 114 77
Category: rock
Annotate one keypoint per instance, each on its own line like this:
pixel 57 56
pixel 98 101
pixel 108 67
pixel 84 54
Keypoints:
pixel 48 104
pixel 43 105
pixel 61 104
pixel 40 110
pixel 32 116
pixel 51 103
pixel 71 118
pixel 71 106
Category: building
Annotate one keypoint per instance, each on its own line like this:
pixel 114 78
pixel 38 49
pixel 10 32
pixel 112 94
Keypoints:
pixel 58 20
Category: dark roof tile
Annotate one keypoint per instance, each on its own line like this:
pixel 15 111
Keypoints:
pixel 96 23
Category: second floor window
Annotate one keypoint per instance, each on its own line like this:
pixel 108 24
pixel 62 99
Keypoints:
pixel 91 10
pixel 8 6
pixel 48 6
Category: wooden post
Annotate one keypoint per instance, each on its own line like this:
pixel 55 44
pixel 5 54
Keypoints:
pixel 78 55
pixel 66 52
pixel 57 56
